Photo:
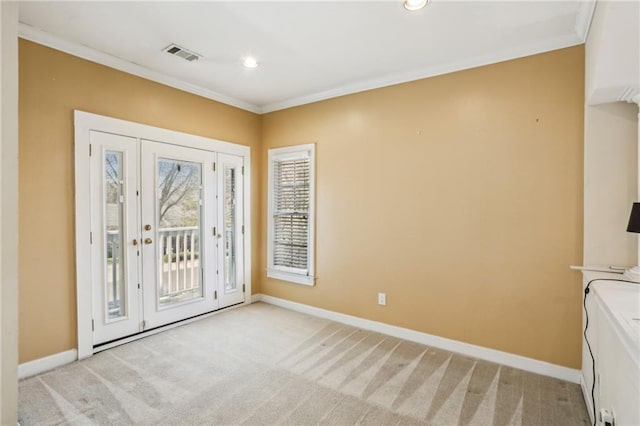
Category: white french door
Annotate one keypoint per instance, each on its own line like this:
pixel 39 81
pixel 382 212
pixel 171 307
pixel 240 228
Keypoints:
pixel 167 233
pixel 114 255
pixel 178 256
pixel 230 230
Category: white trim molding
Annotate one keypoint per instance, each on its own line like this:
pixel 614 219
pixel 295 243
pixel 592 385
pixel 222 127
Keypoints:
pixel 9 216
pixel 47 363
pixel 583 18
pixel 558 43
pixel 586 395
pixel 288 273
pixel 44 38
pixel 630 95
pixel 581 28
pixel 491 355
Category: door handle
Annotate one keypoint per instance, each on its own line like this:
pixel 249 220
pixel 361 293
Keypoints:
pixel 147 227
pixel 148 240
pixel 135 242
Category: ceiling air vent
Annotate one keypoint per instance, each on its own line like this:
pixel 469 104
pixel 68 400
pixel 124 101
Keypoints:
pixel 181 52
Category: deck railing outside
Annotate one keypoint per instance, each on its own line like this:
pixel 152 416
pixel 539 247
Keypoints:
pixel 179 273
pixel 114 262
pixel 179 269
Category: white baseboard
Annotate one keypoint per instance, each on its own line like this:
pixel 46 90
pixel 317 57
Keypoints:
pixel 41 365
pixel 586 394
pixel 47 363
pixel 492 355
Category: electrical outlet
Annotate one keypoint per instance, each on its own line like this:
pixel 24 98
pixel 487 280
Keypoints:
pixel 606 417
pixel 382 299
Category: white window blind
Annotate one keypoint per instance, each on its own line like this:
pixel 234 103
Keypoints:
pixel 291 215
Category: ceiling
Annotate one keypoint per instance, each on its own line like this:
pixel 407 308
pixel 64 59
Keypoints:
pixel 307 50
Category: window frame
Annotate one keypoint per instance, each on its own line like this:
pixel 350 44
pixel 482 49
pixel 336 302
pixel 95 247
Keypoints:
pixel 280 272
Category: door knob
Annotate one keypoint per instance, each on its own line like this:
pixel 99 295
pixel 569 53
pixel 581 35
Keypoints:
pixel 135 242
pixel 147 227
pixel 148 241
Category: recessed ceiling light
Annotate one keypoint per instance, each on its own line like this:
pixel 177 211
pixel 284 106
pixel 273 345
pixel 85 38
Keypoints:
pixel 250 62
pixel 415 4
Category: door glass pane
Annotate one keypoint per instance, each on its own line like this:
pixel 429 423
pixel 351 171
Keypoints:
pixel 114 218
pixel 230 250
pixel 179 230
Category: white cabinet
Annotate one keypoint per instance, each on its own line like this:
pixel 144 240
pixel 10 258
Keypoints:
pixel 614 337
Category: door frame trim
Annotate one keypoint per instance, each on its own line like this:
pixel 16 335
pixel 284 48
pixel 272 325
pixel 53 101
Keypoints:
pixel 84 122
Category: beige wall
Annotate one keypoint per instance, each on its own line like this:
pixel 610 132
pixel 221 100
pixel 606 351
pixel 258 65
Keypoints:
pixel 460 196
pixel 52 85
pixel 610 183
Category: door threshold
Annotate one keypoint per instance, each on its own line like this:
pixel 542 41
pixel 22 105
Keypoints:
pixel 121 341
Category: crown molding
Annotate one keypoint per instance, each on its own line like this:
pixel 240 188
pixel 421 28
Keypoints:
pixel 583 21
pixel 419 74
pixel 630 95
pixel 44 38
pixel 583 18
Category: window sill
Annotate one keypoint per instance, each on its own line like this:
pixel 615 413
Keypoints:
pixel 291 277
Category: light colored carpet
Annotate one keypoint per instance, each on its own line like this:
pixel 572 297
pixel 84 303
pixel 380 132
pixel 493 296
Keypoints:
pixel 266 365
